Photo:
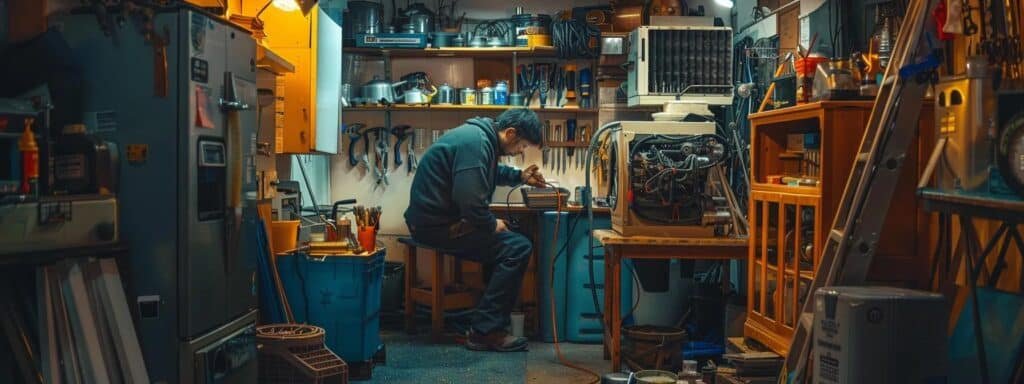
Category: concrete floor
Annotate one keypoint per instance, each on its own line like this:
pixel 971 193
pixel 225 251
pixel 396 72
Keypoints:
pixel 414 359
pixel 542 365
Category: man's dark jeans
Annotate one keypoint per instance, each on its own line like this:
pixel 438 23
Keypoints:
pixel 505 254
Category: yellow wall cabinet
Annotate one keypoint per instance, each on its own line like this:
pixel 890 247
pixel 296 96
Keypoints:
pixel 310 109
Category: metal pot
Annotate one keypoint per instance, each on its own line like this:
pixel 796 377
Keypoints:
pixel 446 94
pixel 444 39
pixel 379 91
pixel 346 95
pixel 422 23
pixel 362 17
pixel 416 96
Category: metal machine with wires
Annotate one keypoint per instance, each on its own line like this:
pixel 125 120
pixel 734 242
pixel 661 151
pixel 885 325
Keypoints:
pixel 665 180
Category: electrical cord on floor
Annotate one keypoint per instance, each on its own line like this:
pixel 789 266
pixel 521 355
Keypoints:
pixel 554 320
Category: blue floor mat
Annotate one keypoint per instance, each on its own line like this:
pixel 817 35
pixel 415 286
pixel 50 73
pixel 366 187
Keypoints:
pixel 416 360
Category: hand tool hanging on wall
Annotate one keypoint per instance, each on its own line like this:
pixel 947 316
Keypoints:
pixel 353 137
pixel 380 166
pixel 570 139
pixel 411 162
pixel 558 76
pixel 418 138
pixel 570 86
pixel 543 82
pixel 401 133
pixel 585 84
pixel 558 150
pixel 545 152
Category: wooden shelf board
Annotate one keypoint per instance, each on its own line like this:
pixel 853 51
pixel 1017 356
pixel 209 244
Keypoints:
pixel 540 51
pixel 462 108
pixel 265 58
pixel 566 144
pixel 766 187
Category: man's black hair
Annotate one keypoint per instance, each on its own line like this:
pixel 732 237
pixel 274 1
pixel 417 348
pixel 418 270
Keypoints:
pixel 525 121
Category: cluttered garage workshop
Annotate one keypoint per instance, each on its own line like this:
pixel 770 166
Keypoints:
pixel 560 191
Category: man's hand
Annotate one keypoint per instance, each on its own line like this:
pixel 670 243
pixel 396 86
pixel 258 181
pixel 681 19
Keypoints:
pixel 501 226
pixel 531 176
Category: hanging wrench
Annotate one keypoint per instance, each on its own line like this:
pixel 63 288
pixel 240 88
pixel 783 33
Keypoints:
pixel 401 133
pixel 353 138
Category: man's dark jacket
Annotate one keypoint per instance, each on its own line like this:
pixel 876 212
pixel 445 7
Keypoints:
pixel 456 178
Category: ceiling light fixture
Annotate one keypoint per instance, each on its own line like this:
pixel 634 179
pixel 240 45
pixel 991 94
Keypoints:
pixel 724 3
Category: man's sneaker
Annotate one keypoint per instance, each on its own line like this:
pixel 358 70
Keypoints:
pixel 499 341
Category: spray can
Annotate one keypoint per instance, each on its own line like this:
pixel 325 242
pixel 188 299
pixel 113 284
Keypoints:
pixel 29 159
pixel 501 93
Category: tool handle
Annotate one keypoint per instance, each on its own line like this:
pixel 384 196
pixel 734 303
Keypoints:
pixel 398 149
pixel 353 139
pixel 570 134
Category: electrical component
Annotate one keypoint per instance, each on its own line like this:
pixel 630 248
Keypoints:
pixel 661 180
pixel 668 63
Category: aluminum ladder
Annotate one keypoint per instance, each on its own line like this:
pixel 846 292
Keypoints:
pixel 853 239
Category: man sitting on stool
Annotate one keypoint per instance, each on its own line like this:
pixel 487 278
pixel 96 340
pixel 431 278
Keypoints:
pixel 449 209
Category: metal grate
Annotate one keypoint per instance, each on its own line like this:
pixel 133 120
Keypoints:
pixel 686 61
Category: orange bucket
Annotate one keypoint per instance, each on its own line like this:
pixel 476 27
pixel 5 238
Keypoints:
pixel 368 238
pixel 285 235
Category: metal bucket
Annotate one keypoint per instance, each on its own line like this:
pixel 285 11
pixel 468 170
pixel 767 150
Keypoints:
pixel 653 347
pixel 655 377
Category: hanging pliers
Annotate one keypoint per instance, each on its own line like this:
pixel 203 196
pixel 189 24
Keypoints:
pixel 380 167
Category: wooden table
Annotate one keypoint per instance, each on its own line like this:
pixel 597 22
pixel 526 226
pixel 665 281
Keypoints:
pixel 618 247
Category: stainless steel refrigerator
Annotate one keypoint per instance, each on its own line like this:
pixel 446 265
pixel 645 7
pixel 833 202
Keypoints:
pixel 177 95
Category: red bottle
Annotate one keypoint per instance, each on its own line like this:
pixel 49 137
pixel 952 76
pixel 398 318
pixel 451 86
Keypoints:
pixel 29 158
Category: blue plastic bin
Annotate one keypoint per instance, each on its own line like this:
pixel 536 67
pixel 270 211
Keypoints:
pixel 583 325
pixel 544 291
pixel 575 316
pixel 340 294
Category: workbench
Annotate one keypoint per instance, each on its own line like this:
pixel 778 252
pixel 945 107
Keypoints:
pixel 618 247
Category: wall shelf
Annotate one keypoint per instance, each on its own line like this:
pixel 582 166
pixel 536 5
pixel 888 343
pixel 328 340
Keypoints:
pixel 455 52
pixel 463 108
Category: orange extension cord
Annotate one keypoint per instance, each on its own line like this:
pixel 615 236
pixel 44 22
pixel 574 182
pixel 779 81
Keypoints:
pixel 554 322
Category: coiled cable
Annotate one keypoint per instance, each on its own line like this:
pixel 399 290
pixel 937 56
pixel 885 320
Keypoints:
pixel 573 39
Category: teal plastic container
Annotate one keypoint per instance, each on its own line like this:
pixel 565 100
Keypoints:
pixel 576 319
pixel 545 289
pixel 342 295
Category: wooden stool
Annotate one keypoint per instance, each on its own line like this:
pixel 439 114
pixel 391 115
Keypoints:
pixel 433 296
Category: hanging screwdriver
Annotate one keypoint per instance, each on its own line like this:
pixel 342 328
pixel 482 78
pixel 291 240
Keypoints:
pixel 570 86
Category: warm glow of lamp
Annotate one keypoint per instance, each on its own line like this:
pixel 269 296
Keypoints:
pixel 286 5
pixel 724 3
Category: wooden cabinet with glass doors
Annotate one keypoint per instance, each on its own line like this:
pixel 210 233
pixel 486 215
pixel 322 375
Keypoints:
pixel 801 158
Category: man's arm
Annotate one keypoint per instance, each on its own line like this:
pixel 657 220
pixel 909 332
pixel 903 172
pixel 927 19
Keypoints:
pixel 470 193
pixel 509 176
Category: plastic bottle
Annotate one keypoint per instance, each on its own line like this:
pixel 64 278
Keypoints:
pixel 29 159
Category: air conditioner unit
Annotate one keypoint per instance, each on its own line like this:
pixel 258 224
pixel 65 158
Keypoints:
pixel 691 63
pixel 879 335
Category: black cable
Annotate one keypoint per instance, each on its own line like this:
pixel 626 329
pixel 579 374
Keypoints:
pixel 572 39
